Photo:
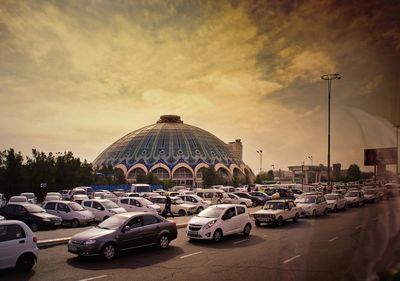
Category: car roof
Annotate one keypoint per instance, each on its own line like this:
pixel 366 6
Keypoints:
pixel 280 200
pixel 226 206
pixel 4 222
pixel 131 214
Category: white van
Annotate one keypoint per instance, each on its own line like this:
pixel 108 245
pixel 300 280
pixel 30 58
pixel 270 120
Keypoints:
pixel 140 187
pixel 215 196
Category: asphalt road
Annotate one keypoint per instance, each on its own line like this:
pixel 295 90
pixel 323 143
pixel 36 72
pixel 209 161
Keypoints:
pixel 349 245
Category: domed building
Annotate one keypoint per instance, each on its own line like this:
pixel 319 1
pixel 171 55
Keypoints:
pixel 174 150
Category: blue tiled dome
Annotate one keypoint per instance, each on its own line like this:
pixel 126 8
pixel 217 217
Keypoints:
pixel 168 142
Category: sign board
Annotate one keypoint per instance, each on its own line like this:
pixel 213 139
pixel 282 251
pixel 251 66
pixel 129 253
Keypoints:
pixel 380 156
pixel 43 185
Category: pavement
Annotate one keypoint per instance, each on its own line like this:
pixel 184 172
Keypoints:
pixel 356 244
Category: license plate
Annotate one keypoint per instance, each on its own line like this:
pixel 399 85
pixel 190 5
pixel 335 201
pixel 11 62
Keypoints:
pixel 72 247
pixel 57 223
pixel 192 233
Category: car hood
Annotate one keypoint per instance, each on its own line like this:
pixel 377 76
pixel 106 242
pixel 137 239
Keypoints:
pixel 269 212
pixel 118 210
pixel 45 215
pixel 331 201
pixel 92 233
pixel 305 205
pixel 86 213
pixel 154 206
pixel 200 220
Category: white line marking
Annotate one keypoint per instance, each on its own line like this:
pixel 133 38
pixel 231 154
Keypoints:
pixel 333 239
pixel 358 226
pixel 293 258
pixel 182 257
pixel 93 278
pixel 237 242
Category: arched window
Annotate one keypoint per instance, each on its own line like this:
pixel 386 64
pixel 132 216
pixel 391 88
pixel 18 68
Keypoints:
pixel 135 173
pixel 183 173
pixel 200 173
pixel 161 173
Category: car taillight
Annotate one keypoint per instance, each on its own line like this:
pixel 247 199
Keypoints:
pixel 34 239
pixel 174 222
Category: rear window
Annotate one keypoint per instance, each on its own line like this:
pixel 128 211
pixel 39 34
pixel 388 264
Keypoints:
pixel 149 219
pixel 50 206
pixel 11 232
pixel 240 210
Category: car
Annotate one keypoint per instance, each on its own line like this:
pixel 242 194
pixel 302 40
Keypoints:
pixel 234 199
pixel 30 196
pixel 132 194
pixel 18 199
pixel 70 212
pixel 18 246
pixel 121 232
pixel 58 194
pixel 371 195
pixel 354 197
pixel 218 221
pixel 50 198
pixel 138 204
pixel 196 201
pixel 65 193
pixel 335 201
pixel 75 191
pixel 105 195
pixel 256 201
pixel 3 200
pixel 78 198
pixel 312 205
pixel 215 196
pixel 177 205
pixel 102 209
pixel 284 193
pixel 34 216
pixel 392 190
pixel 88 189
pixel 2 218
pixel 261 196
pixel 276 212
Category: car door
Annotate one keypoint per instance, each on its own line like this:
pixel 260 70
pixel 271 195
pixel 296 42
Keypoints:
pixel 133 237
pixel 12 244
pixel 50 208
pixel 240 219
pixel 23 215
pixel 98 210
pixel 151 228
pixel 229 221
pixel 63 212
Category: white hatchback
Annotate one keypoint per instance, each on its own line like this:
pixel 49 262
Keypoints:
pixel 312 205
pixel 218 221
pixel 335 201
pixel 18 246
pixel 138 204
pixel 102 209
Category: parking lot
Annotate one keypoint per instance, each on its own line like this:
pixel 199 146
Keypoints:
pixel 341 246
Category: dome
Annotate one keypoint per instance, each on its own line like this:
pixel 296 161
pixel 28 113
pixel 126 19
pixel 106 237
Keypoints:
pixel 168 145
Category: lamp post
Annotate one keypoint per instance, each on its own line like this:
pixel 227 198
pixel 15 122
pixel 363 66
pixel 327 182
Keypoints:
pixel 260 153
pixel 329 78
pixel 397 150
pixel 302 175
pixel 310 157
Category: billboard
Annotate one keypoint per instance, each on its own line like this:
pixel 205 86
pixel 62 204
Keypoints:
pixel 380 156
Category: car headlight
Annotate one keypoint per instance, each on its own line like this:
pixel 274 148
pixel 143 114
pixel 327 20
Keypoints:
pixel 89 242
pixel 47 219
pixel 209 224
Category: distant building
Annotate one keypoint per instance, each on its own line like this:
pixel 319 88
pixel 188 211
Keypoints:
pixel 308 173
pixel 237 148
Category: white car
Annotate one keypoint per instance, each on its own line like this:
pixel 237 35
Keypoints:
pixel 65 193
pixel 105 195
pixel 138 204
pixel 3 200
pixel 18 199
pixel 30 196
pixel 312 205
pixel 371 195
pixel 17 245
pixel 70 212
pixel 102 209
pixel 354 197
pixel 234 199
pixel 335 201
pixel 79 198
pixel 177 205
pixel 49 198
pixel 218 221
pixel 276 212
pixel 196 201
pixel 54 194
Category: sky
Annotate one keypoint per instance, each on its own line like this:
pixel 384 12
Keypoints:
pixel 78 75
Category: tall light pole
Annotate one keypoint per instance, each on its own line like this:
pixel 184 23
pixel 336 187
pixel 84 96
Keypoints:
pixel 302 175
pixel 397 150
pixel 260 153
pixel 329 78
pixel 310 157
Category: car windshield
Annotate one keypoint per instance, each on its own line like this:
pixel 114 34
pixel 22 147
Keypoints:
pixel 331 197
pixel 75 206
pixel 144 201
pixel 211 212
pixel 28 195
pixel 18 199
pixel 370 191
pixel 113 223
pixel 34 208
pixel 352 194
pixel 79 192
pixel 110 205
pixel 177 201
pixel 273 206
pixel 307 199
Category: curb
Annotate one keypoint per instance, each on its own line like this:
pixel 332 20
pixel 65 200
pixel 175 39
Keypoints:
pixel 43 244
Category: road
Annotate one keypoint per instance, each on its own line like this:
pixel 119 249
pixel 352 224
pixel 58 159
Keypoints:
pixel 349 245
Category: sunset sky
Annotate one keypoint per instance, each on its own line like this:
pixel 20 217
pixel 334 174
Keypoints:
pixel 78 75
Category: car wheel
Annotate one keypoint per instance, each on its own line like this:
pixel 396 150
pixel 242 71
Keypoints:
pixel 258 223
pixel 247 230
pixel 163 242
pixel 199 209
pixel 25 262
pixel 296 217
pixel 182 213
pixel 314 213
pixel 34 227
pixel 75 223
pixel 217 235
pixel 109 251
pixel 106 217
pixel 279 222
pixel 335 209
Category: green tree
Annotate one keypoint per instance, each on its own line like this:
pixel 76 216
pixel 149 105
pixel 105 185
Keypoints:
pixel 353 173
pixel 261 177
pixel 12 172
pixel 211 177
pixel 270 175
pixel 167 183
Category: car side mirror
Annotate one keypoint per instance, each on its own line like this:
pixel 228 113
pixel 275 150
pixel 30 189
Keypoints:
pixel 126 229
pixel 100 208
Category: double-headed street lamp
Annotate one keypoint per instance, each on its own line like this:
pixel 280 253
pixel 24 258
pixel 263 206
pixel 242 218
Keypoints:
pixel 260 153
pixel 310 157
pixel 329 78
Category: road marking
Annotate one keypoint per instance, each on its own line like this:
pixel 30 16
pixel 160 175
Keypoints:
pixel 186 256
pixel 293 258
pixel 244 240
pixel 358 226
pixel 93 278
pixel 333 239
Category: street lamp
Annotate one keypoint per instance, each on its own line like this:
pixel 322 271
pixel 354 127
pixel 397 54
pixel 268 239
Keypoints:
pixel 397 150
pixel 302 175
pixel 310 157
pixel 260 153
pixel 329 78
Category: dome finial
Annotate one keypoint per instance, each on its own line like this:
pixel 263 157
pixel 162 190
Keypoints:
pixel 170 118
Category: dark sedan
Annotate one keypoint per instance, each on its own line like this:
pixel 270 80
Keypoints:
pixel 256 201
pixel 34 216
pixel 122 232
pixel 261 196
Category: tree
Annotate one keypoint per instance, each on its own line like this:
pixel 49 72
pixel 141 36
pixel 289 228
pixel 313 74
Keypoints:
pixel 211 177
pixel 353 173
pixel 263 176
pixel 270 175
